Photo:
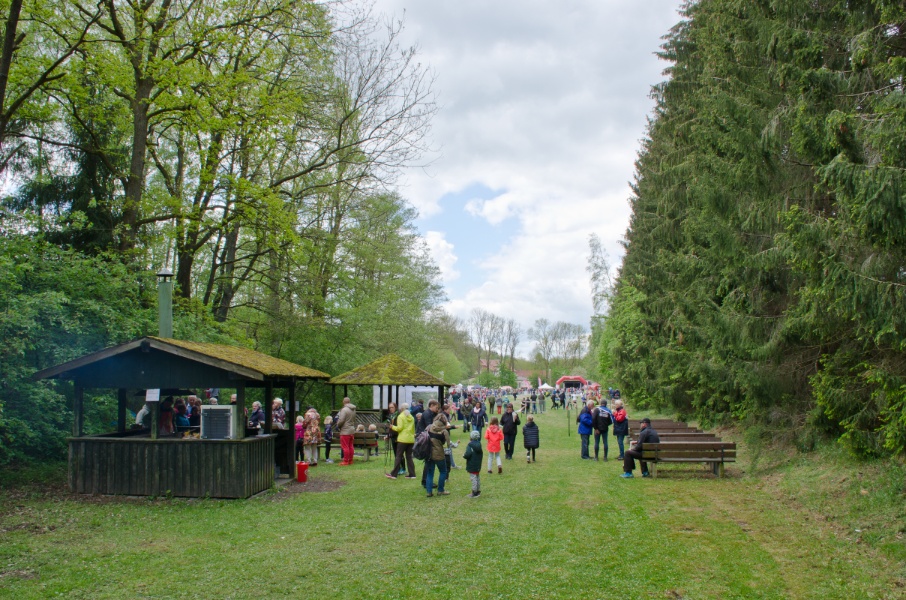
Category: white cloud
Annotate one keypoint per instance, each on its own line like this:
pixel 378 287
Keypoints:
pixel 443 254
pixel 547 102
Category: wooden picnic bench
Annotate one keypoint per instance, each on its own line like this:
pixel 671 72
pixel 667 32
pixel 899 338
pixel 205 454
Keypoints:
pixel 659 423
pixel 660 430
pixel 682 436
pixel 367 440
pixel 714 454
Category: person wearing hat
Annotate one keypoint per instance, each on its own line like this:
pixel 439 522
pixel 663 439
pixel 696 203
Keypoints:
pixel 473 457
pixel 646 436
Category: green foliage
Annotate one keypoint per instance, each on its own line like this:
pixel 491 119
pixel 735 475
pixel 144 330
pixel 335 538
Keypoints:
pixel 765 257
pixel 507 377
pixel 56 305
pixel 250 147
pixel 488 379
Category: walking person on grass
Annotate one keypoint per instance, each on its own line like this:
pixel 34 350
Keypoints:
pixel 473 457
pixel 530 438
pixel 494 435
pixel 509 423
pixel 405 439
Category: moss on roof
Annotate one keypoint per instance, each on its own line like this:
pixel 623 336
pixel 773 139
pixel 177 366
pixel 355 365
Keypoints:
pixel 244 357
pixel 388 370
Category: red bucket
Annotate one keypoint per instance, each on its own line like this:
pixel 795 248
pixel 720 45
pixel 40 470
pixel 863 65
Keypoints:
pixel 302 472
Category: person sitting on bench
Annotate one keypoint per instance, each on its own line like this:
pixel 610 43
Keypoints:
pixel 646 436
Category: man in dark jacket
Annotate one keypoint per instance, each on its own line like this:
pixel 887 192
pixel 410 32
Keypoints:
pixel 509 422
pixel 424 419
pixel 423 422
pixel 601 421
pixel 646 436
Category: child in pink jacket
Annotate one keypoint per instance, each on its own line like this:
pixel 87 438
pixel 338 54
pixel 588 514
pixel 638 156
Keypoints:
pixel 494 435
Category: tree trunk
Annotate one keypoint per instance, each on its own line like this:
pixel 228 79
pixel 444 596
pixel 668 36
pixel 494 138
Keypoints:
pixel 135 182
pixel 223 299
pixel 6 61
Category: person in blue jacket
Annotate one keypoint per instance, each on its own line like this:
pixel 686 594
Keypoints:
pixel 586 420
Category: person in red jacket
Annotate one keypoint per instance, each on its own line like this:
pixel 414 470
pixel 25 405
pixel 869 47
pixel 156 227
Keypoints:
pixel 494 435
pixel 620 425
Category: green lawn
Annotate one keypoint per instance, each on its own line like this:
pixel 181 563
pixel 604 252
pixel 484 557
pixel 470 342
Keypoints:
pixel 559 528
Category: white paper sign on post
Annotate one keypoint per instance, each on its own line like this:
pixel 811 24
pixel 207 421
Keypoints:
pixel 152 395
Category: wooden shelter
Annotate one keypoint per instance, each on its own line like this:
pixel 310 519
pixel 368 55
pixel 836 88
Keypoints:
pixel 137 461
pixel 390 372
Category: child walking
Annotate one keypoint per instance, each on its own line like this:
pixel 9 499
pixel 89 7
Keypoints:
pixel 530 438
pixel 494 435
pixel 473 458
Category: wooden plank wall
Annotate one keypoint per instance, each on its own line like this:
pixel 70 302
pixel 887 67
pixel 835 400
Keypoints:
pixel 215 468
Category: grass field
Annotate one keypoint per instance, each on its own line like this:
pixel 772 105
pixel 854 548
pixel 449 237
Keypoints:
pixel 815 526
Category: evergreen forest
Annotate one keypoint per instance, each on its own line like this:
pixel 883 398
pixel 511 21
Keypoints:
pixel 764 280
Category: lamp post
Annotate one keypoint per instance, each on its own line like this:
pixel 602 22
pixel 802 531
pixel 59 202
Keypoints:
pixel 165 302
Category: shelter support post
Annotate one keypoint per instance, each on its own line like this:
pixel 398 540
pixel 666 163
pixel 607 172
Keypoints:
pixel 291 421
pixel 346 391
pixel 78 405
pixel 121 410
pixel 333 400
pixel 268 407
pixel 239 419
pixel 155 419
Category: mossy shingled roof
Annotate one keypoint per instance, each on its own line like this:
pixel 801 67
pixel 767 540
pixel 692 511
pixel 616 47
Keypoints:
pixel 388 370
pixel 250 359
pixel 243 361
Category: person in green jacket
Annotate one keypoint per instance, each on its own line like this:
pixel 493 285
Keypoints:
pixel 405 439
pixel 473 457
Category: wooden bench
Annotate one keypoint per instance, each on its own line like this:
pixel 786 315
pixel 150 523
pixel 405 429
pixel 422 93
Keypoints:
pixel 658 423
pixel 682 436
pixel 368 441
pixel 713 454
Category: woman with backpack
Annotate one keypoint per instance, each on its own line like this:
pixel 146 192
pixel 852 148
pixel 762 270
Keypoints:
pixel 440 437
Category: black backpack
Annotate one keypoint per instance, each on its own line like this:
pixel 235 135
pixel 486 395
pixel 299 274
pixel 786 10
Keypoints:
pixel 422 448
pixel 602 419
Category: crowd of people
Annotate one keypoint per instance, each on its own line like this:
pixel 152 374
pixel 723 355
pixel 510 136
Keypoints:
pixel 177 413
pixel 487 416
pixel 433 423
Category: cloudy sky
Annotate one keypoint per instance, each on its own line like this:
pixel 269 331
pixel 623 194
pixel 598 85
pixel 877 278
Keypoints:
pixel 542 107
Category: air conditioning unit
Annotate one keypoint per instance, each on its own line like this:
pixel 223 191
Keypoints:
pixel 216 422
